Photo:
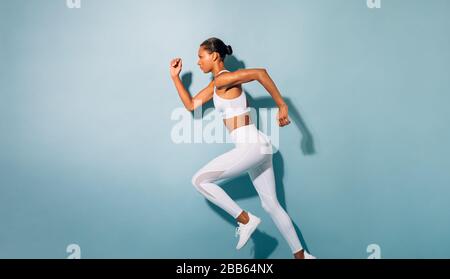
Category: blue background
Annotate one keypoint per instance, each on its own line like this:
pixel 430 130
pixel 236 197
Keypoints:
pixel 86 154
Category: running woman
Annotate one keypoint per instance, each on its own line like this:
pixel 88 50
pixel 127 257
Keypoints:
pixel 252 152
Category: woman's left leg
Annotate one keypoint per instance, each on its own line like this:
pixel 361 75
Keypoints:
pixel 228 165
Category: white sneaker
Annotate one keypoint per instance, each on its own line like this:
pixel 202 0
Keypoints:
pixel 245 230
pixel 308 256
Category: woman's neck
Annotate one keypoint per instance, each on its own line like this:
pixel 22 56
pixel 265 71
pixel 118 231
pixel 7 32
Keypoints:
pixel 218 71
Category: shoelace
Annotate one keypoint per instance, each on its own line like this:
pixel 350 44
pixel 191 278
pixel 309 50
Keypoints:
pixel 238 231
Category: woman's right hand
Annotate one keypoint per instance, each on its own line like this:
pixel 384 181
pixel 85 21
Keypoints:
pixel 175 67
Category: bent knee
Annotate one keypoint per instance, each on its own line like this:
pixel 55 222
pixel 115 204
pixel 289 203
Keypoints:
pixel 204 177
pixel 195 180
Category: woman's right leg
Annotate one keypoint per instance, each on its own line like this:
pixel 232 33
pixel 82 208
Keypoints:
pixel 263 179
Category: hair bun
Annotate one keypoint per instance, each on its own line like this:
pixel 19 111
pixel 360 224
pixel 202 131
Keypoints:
pixel 230 50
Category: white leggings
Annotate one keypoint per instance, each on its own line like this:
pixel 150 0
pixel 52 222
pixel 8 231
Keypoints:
pixel 252 154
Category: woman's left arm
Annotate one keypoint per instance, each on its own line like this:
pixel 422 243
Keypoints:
pixel 226 80
pixel 270 86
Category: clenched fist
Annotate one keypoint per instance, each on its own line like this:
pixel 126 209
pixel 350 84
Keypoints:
pixel 282 116
pixel 175 67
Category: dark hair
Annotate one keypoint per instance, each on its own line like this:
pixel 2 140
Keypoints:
pixel 217 45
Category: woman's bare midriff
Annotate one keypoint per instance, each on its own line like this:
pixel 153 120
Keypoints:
pixel 237 121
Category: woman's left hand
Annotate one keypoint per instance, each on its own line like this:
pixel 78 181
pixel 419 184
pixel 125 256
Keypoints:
pixel 282 116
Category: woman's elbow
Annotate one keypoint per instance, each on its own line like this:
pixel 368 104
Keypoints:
pixel 262 73
pixel 189 107
pixel 195 103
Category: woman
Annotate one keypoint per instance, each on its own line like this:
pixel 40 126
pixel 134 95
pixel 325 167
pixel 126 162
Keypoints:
pixel 253 149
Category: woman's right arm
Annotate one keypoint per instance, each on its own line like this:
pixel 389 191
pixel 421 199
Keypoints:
pixel 189 102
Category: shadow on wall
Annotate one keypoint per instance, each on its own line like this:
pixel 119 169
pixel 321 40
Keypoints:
pixel 242 187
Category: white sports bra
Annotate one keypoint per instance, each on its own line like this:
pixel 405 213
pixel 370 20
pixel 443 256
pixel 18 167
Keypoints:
pixel 230 107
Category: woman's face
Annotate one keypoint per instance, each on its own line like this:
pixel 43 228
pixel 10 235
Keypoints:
pixel 205 60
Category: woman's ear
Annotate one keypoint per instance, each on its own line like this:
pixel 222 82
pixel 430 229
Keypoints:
pixel 215 55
